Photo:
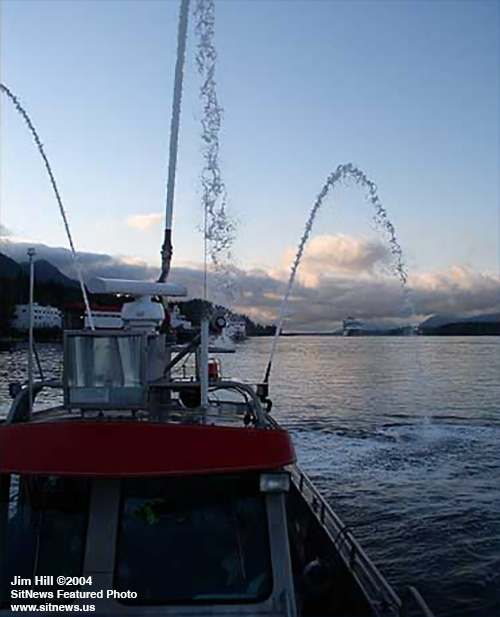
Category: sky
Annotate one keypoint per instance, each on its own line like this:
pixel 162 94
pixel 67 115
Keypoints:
pixel 408 90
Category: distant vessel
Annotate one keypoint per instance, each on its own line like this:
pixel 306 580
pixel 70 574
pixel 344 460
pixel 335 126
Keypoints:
pixel 236 328
pixel 353 327
pixel 177 319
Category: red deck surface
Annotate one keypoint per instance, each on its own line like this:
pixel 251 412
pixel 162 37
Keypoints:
pixel 139 449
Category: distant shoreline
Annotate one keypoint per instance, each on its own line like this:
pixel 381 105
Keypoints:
pixel 465 328
pixel 452 329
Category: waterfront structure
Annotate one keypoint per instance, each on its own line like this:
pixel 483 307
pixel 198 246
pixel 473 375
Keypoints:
pixel 177 319
pixel 44 317
pixel 236 328
pixel 105 318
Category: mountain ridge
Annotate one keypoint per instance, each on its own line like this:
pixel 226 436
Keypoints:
pixel 45 272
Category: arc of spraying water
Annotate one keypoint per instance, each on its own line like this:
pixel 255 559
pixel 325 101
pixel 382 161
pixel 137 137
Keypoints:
pixel 219 228
pixel 24 114
pixel 344 171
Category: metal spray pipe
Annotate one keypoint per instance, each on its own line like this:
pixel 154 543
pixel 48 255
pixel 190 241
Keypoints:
pixel 166 249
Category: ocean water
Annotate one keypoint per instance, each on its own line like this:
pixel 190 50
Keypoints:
pixel 402 437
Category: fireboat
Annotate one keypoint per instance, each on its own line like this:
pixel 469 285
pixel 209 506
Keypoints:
pixel 159 487
pixel 176 493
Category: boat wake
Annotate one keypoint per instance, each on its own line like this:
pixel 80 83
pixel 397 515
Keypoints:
pixel 403 449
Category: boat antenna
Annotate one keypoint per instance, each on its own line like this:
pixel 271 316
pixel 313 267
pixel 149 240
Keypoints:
pixel 31 342
pixel 166 249
pixel 15 101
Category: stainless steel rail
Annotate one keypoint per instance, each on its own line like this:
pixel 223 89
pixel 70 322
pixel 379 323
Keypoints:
pixel 380 594
pixel 20 409
pixel 412 594
pixel 220 411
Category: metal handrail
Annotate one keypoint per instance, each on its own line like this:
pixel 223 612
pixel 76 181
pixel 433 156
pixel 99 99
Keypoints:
pixel 412 593
pixel 369 578
pixel 378 590
pixel 19 411
pixel 20 408
pixel 245 390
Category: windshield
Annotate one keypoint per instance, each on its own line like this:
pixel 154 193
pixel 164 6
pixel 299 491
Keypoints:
pixel 188 540
pixel 43 530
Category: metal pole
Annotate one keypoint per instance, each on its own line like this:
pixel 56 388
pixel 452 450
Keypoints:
pixel 203 368
pixel 31 255
pixel 38 363
pixel 166 250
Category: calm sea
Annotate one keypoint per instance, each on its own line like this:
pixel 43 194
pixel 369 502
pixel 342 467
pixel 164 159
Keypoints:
pixel 402 436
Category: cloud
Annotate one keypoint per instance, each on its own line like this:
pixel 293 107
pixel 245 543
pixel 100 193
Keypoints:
pixel 349 283
pixel 93 264
pixel 4 232
pixel 145 221
pixel 456 291
pixel 328 255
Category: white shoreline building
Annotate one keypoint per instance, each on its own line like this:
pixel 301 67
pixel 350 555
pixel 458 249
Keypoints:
pixel 44 317
pixel 105 319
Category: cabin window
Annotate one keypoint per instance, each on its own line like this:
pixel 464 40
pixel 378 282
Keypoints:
pixel 104 361
pixel 193 540
pixel 105 370
pixel 44 522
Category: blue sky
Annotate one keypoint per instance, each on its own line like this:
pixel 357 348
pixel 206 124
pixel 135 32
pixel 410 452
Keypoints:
pixel 408 90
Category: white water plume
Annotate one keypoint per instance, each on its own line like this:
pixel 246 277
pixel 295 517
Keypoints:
pixel 346 171
pixel 219 228
pixel 24 114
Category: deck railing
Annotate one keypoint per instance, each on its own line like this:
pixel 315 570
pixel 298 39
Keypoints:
pixel 240 407
pixel 382 597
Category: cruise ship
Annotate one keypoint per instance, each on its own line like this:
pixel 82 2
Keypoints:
pixel 352 327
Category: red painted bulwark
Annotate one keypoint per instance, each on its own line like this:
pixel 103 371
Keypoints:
pixel 139 449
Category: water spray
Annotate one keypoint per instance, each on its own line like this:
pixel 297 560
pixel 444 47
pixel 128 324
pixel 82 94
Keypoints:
pixel 24 114
pixel 218 229
pixel 343 172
